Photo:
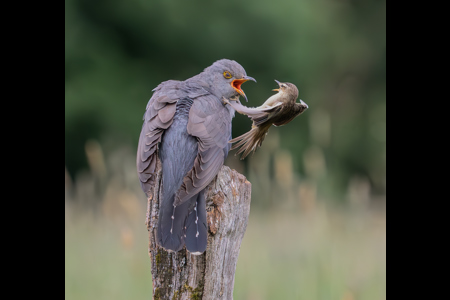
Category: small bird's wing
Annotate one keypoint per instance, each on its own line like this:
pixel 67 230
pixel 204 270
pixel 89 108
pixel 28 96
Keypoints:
pixel 269 112
pixel 290 114
pixel 157 118
pixel 210 122
pixel 257 114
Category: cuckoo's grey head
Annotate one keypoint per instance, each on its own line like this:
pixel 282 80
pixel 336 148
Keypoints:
pixel 225 78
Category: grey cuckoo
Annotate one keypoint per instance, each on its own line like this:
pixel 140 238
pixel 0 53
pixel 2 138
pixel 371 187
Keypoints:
pixel 188 127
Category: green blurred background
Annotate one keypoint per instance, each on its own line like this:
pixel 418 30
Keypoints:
pixel 317 221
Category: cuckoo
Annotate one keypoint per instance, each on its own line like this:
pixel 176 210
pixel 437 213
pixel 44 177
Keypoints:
pixel 187 126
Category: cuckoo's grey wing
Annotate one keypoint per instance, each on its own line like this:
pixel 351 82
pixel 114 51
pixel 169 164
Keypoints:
pixel 177 152
pixel 157 118
pixel 210 122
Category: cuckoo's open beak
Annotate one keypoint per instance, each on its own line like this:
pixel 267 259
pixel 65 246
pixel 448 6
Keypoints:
pixel 279 84
pixel 236 84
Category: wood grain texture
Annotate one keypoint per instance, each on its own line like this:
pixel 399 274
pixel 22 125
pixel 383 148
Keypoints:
pixel 210 275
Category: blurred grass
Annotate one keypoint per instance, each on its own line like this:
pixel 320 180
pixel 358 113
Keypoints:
pixel 303 248
pixel 319 255
pixel 284 255
pixel 104 260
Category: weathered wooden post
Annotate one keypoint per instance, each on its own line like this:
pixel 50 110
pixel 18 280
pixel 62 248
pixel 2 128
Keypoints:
pixel 180 275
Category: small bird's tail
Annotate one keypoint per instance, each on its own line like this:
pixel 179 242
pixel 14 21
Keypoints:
pixel 249 141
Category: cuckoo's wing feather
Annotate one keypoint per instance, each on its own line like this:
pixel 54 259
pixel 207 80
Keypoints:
pixel 157 118
pixel 210 122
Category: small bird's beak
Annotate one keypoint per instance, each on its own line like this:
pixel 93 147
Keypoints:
pixel 279 84
pixel 236 84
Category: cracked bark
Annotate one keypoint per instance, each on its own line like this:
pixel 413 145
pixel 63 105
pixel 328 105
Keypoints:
pixel 179 276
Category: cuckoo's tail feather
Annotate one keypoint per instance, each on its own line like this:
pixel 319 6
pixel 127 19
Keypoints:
pixel 170 232
pixel 196 227
pixel 184 224
pixel 249 141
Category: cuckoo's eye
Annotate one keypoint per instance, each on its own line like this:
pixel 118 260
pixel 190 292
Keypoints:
pixel 227 75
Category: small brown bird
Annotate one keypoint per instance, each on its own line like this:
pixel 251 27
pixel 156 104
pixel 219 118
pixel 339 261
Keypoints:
pixel 278 110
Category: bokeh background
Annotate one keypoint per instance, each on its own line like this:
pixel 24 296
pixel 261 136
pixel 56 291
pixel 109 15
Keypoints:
pixel 317 227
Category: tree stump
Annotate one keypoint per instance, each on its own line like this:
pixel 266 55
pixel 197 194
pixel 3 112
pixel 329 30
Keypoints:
pixel 180 275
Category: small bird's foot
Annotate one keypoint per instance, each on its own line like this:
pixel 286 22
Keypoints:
pixel 225 101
